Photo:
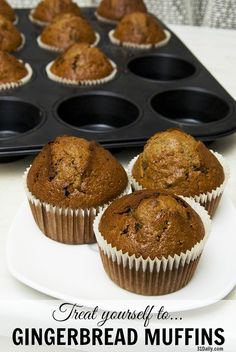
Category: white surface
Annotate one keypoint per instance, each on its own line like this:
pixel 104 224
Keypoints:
pixel 216 49
pixel 52 267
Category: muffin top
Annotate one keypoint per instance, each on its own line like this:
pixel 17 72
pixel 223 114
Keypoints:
pixel 139 28
pixel 7 11
pixel 10 37
pixel 174 161
pixel 11 69
pixel 116 9
pixel 46 10
pixel 66 30
pixel 73 172
pixel 151 224
pixel 81 62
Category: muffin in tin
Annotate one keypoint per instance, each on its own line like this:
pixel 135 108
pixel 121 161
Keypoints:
pixel 47 10
pixel 81 64
pixel 151 242
pixel 11 38
pixel 68 182
pixel 7 11
pixel 114 10
pixel 139 29
pixel 176 162
pixel 66 30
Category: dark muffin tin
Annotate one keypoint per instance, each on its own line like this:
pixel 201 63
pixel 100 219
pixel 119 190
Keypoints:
pixel 153 90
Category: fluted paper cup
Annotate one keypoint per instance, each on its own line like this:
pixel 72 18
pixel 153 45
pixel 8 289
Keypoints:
pixel 21 82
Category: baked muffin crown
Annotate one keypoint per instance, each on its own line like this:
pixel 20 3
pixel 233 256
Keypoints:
pixel 73 172
pixel 47 10
pixel 116 9
pixel 67 29
pixel 7 11
pixel 151 224
pixel 11 69
pixel 139 28
pixel 174 161
pixel 11 38
pixel 81 62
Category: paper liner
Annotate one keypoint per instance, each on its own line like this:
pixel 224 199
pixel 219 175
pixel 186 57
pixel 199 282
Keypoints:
pixel 152 276
pixel 65 225
pixel 104 19
pixel 22 43
pixel 139 46
pixel 209 200
pixel 95 82
pixel 16 20
pixel 35 21
pixel 21 82
pixel 59 50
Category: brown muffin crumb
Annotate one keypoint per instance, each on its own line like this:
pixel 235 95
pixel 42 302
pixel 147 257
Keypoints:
pixel 66 30
pixel 11 69
pixel 81 62
pixel 151 224
pixel 174 161
pixel 76 173
pixel 7 11
pixel 10 37
pixel 116 9
pixel 139 28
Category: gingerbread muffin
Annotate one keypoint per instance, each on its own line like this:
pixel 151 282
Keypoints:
pixel 114 10
pixel 174 161
pixel 47 10
pixel 66 30
pixel 10 38
pixel 69 180
pixel 13 72
pixel 137 29
pixel 81 63
pixel 155 233
pixel 7 11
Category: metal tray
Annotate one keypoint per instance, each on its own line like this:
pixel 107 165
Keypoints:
pixel 162 88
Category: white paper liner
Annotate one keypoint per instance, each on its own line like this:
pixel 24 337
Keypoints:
pixel 139 46
pixel 82 216
pixel 22 43
pixel 164 264
pixel 35 21
pixel 95 82
pixel 16 20
pixel 203 197
pixel 59 50
pixel 104 19
pixel 21 82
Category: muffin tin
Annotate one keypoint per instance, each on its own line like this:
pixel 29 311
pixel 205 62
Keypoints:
pixel 153 90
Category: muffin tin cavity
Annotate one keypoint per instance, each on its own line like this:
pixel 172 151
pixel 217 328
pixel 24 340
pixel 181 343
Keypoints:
pixel 97 112
pixel 18 117
pixel 161 67
pixel 190 106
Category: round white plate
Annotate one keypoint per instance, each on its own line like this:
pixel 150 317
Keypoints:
pixel 75 273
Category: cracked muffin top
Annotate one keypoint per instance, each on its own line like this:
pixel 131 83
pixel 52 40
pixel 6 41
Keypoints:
pixel 7 11
pixel 116 9
pixel 11 69
pixel 73 172
pixel 139 28
pixel 46 10
pixel 176 162
pixel 81 62
pixel 66 30
pixel 10 37
pixel 151 224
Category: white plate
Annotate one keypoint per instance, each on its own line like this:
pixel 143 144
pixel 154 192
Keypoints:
pixel 75 273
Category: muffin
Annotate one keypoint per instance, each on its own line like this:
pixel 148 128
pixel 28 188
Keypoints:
pixel 47 10
pixel 7 11
pixel 10 38
pixel 68 182
pixel 66 30
pixel 151 242
pixel 81 64
pixel 139 30
pixel 174 161
pixel 13 72
pixel 114 10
